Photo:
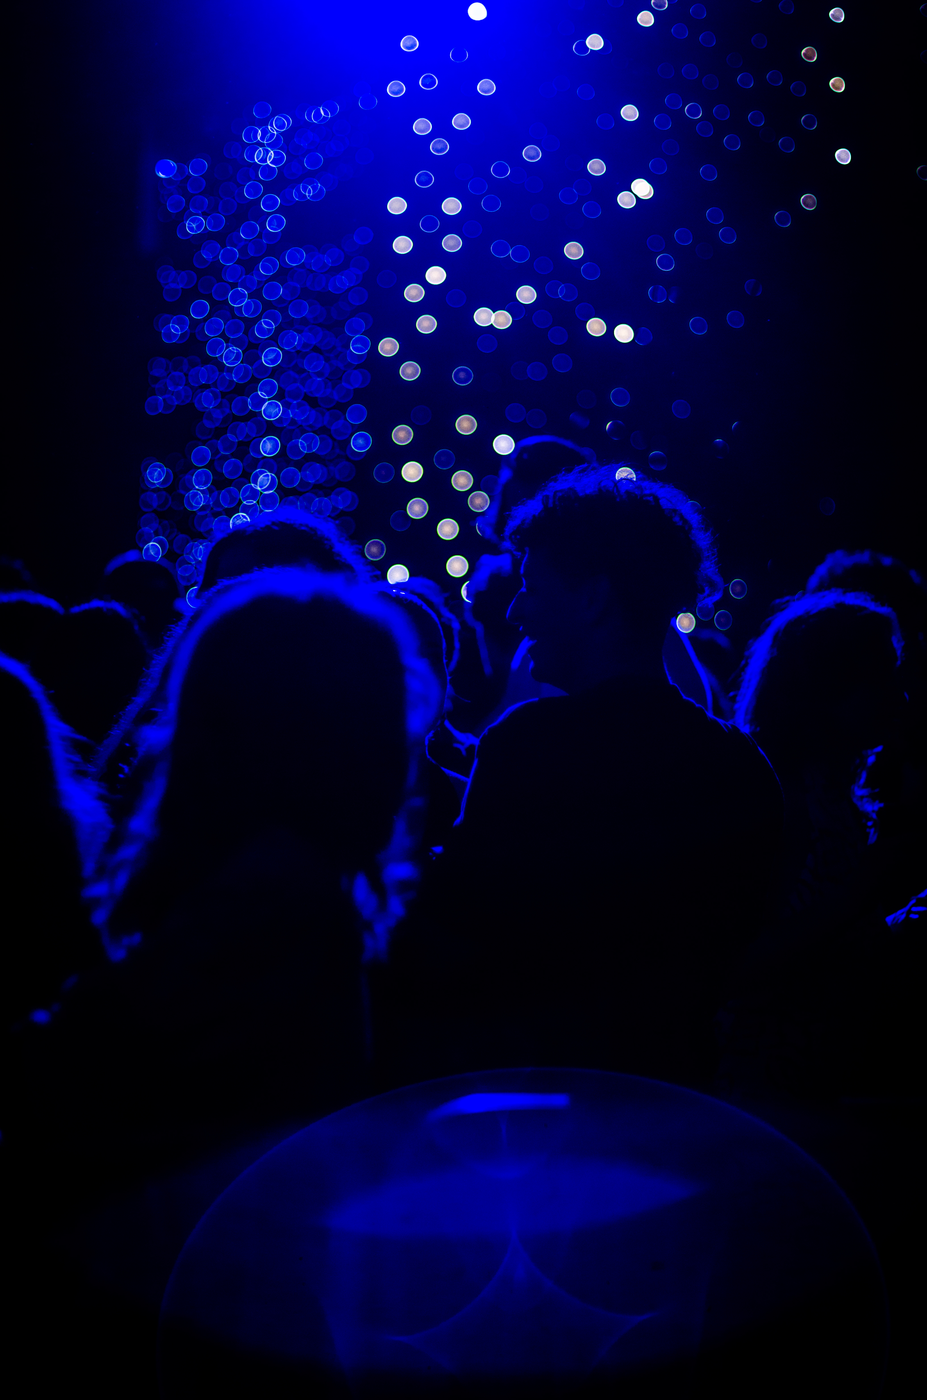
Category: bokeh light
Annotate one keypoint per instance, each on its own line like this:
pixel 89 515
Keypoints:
pixel 397 573
pixel 374 549
pixel 685 622
pixel 478 501
pixel 457 566
pixel 402 434
pixel 388 346
pixel 402 244
pixel 417 508
pixel 448 529
pixel 435 276
pixel 624 334
pixel 396 205
pixel 409 370
pixel 413 471
pixel 503 444
pixel 466 424
pixel 462 481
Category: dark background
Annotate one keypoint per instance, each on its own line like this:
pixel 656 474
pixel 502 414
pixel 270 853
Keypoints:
pixel 106 88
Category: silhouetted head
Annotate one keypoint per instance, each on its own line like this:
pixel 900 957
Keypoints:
pixel 282 539
pixel 147 588
pixel 102 661
pixel 525 470
pixel 32 631
pixel 295 701
pixel 607 562
pixel 821 682
pixel 888 581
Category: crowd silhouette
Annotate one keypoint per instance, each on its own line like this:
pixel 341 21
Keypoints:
pixel 319 836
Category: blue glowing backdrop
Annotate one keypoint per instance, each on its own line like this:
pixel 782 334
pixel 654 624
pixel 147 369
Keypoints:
pixel 374 248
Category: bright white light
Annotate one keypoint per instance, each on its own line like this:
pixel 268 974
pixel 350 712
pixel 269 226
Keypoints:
pixel 624 334
pixel 397 573
pixel 409 370
pixel 477 11
pixel 451 243
pixel 503 444
pixel 461 481
pixel 448 529
pixel 595 41
pixel 501 320
pixel 532 153
pixel 837 15
pixel 842 157
pixel 574 250
pixel 478 501
pixel 457 566
pixel 629 112
pixel 395 88
pixel 645 18
pixel 625 474
pixel 402 434
pixel 483 316
pixel 596 166
pixel 397 204
pixel 426 324
pixel 435 276
pixel 626 199
pixel 465 424
pixel 417 508
pixel 414 292
pixel 421 126
pixel 642 189
pixel 409 43
pixel 402 244
pixel 685 622
pixel 451 205
pixel 461 121
pixel 596 326
pixel 485 87
pixel 388 346
pixel 526 295
pixel 413 471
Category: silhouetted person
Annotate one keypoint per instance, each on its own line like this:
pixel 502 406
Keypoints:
pixel 280 770
pixel 54 825
pixel 99 667
pixel 616 842
pixel 821 692
pixel 148 588
pixel 295 706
